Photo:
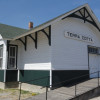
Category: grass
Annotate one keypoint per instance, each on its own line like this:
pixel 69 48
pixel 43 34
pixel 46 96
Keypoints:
pixel 15 93
pixel 1 90
pixel 25 92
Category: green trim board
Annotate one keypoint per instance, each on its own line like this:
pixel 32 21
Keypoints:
pixel 41 76
pixel 59 76
pixel 1 75
pixel 11 75
pixel 1 45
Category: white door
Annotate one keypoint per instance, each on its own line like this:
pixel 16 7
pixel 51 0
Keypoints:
pixel 93 65
pixel 99 64
pixel 12 57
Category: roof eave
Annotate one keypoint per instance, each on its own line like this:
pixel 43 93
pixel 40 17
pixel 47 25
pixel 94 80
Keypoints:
pixel 7 39
pixel 93 15
pixel 58 19
pixel 49 23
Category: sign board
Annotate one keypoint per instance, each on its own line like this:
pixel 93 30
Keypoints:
pixel 76 36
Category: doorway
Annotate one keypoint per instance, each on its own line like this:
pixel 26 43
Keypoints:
pixel 93 65
pixel 94 61
pixel 12 57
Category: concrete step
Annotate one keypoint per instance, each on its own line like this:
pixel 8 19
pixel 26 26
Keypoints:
pixel 11 84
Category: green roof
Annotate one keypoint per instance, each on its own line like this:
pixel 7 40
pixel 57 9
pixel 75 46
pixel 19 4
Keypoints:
pixel 10 32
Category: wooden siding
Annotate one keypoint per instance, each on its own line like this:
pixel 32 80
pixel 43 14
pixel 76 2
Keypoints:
pixel 70 54
pixel 28 75
pixel 62 76
pixel 1 75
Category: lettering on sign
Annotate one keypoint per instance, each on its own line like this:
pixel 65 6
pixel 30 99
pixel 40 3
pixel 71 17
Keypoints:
pixel 78 37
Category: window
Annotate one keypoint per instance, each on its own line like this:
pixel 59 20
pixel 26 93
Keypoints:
pixel 93 50
pixel 1 55
pixel 12 57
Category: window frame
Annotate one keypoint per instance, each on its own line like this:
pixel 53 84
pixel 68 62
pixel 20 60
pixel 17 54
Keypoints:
pixel 93 50
pixel 11 45
pixel 1 57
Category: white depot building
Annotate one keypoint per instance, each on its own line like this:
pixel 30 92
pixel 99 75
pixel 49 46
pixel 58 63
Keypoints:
pixel 63 48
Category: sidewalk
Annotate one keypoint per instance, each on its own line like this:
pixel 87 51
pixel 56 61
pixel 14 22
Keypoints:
pixel 66 93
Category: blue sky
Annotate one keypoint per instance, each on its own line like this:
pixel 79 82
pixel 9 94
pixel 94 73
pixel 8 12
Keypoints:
pixel 19 12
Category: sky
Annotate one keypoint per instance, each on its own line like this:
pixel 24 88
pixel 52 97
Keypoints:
pixel 20 12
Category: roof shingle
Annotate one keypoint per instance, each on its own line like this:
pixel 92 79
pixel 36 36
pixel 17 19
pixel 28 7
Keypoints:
pixel 10 32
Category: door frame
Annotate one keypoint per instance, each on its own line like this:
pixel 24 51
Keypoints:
pixel 91 53
pixel 16 55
